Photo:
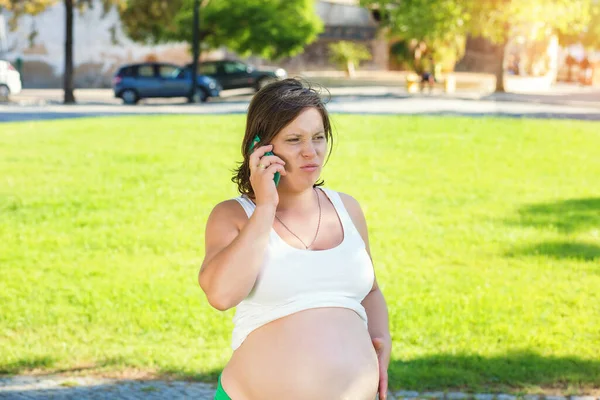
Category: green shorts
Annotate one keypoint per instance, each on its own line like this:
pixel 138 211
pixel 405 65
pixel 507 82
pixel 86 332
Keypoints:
pixel 221 394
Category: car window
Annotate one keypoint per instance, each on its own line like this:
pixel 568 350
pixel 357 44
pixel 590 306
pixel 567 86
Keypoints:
pixel 168 71
pixel 207 69
pixel 127 71
pixel 234 67
pixel 146 71
pixel 182 73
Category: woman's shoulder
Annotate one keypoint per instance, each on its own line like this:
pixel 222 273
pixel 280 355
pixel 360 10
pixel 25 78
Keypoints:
pixel 351 204
pixel 355 212
pixel 229 210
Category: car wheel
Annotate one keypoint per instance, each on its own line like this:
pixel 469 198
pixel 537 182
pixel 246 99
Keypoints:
pixel 200 95
pixel 264 81
pixel 4 92
pixel 129 96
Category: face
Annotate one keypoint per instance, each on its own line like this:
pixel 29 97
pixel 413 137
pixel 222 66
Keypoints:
pixel 303 146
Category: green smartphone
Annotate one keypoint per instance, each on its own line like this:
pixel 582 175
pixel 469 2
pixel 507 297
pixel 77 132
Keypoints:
pixel 256 140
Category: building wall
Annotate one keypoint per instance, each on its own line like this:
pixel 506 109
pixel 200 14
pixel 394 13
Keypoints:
pixel 100 46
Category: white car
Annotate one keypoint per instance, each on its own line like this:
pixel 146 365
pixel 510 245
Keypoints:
pixel 10 80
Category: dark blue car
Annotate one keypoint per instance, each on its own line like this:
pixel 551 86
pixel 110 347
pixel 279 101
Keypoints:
pixel 133 82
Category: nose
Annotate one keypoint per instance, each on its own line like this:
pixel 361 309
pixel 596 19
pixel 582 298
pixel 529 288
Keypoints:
pixel 308 150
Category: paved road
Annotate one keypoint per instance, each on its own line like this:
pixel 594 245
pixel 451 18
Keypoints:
pixel 562 102
pixel 392 104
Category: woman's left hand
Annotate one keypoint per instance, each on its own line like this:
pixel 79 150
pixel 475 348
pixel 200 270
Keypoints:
pixel 383 348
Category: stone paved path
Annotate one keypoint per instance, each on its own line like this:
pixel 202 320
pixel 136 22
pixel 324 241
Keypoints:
pixel 65 388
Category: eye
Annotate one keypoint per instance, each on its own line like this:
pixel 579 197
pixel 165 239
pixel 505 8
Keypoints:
pixel 320 137
pixel 292 140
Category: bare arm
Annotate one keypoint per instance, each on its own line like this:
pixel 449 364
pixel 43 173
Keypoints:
pixel 235 250
pixel 233 256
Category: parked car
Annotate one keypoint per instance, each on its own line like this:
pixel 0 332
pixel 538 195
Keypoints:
pixel 134 82
pixel 233 74
pixel 10 80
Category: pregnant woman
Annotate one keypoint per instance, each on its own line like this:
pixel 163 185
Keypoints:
pixel 293 257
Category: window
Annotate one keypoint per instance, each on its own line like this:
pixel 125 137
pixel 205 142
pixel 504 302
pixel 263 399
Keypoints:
pixel 234 67
pixel 146 71
pixel 207 69
pixel 127 71
pixel 168 71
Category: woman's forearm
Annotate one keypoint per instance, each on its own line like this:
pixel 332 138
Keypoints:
pixel 377 314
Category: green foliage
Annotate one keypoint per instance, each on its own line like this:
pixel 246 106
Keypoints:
pixel 403 54
pixel 33 7
pixel 20 7
pixel 590 35
pixel 423 20
pixel 271 29
pixel 348 55
pixel 26 6
pixel 442 20
pixel 496 19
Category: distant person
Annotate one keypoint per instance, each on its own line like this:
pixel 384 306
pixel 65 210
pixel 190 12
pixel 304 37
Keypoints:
pixel 428 74
pixel 293 257
pixel 512 67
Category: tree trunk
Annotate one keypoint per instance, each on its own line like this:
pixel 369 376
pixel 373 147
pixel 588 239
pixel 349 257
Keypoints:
pixel 350 70
pixel 499 68
pixel 192 97
pixel 69 97
pixel 483 55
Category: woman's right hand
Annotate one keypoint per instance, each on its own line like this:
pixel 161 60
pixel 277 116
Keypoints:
pixel 262 173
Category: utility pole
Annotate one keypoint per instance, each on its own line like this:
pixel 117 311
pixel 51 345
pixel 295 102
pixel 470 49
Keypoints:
pixel 195 50
pixel 69 98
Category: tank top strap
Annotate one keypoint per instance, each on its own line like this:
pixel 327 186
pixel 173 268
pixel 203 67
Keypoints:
pixel 246 204
pixel 350 230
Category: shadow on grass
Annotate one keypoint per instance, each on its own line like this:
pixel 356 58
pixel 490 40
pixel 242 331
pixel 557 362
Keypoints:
pixel 26 364
pixel 560 250
pixel 568 216
pixel 114 367
pixel 515 372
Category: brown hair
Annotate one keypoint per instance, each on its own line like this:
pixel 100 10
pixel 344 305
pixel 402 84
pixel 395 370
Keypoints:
pixel 271 110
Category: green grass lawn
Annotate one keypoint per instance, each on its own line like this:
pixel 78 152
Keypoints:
pixel 485 235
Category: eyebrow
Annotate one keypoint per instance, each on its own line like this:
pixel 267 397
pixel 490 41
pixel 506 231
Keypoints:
pixel 299 134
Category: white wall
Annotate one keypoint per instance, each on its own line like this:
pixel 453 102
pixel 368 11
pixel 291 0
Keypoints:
pixel 95 56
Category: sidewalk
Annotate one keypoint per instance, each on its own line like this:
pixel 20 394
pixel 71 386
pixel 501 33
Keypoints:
pixel 63 388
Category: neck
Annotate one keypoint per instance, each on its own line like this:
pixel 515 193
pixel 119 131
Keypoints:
pixel 296 201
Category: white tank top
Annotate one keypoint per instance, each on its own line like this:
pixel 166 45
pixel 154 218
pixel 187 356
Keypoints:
pixel 292 280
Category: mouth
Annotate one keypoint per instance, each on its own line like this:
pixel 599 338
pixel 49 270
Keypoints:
pixel 309 167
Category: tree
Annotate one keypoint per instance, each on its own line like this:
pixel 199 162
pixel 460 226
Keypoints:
pixel 425 28
pixel 497 20
pixel 438 20
pixel 20 7
pixel 348 55
pixel 271 29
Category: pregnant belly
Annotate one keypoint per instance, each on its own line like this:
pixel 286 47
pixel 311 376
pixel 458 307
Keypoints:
pixel 323 353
